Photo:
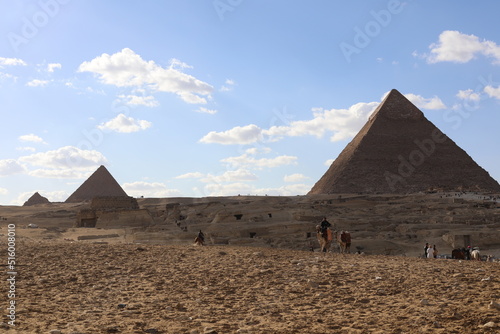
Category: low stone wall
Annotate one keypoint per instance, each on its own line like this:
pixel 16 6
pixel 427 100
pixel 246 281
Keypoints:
pixel 101 236
pixel 124 218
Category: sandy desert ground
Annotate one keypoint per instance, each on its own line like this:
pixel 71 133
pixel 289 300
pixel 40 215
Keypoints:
pixel 70 287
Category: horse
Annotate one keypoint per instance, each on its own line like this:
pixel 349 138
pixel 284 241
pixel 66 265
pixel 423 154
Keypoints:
pixel 324 243
pixel 475 255
pixel 458 254
pixel 344 240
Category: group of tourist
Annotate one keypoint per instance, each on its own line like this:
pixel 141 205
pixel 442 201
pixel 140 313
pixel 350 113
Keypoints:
pixel 430 252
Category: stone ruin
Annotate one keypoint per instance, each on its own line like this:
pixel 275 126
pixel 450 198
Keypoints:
pixel 113 212
pixel 114 203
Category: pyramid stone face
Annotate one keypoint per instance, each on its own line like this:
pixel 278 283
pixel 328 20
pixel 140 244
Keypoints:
pixel 100 184
pixel 36 198
pixel 400 151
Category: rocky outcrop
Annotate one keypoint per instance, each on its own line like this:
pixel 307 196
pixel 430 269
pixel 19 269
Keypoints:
pixel 400 151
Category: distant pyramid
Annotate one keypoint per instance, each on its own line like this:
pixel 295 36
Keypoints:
pixel 400 151
pixel 36 198
pixel 101 183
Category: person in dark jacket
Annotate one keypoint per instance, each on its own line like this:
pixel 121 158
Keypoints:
pixel 324 226
pixel 425 249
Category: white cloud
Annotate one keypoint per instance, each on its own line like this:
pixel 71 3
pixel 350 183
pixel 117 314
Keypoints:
pixel 433 103
pixel 59 174
pixel 238 135
pixel 206 111
pixel 228 86
pixel 232 189
pixel 124 124
pixel 192 175
pixel 3 191
pixel 258 150
pixel 37 83
pixel 149 189
pixel 52 66
pixel 128 69
pixel 11 167
pixel 294 178
pixel 328 162
pixel 26 148
pixel 287 190
pixel 453 46
pixel 176 63
pixel 55 196
pixel 67 157
pixel 239 175
pixel 468 94
pixel 95 91
pixel 7 76
pixel 31 138
pixel 342 123
pixel 11 62
pixel 492 91
pixel 246 161
pixel 148 101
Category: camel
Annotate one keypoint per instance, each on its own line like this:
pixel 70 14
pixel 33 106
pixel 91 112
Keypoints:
pixel 475 255
pixel 344 240
pixel 324 243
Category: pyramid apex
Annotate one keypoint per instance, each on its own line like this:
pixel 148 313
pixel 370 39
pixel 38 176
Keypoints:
pixel 396 106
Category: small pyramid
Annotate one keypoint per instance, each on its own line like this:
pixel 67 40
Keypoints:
pixel 100 183
pixel 36 198
pixel 400 151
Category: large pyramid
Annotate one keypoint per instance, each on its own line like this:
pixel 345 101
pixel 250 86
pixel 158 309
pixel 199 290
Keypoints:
pixel 400 151
pixel 100 183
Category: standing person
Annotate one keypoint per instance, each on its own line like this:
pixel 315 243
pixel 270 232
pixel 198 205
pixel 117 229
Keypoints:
pixel 324 226
pixel 434 252
pixel 200 239
pixel 467 253
pixel 429 252
pixel 425 249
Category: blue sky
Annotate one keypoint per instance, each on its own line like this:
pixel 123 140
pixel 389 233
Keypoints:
pixel 224 97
